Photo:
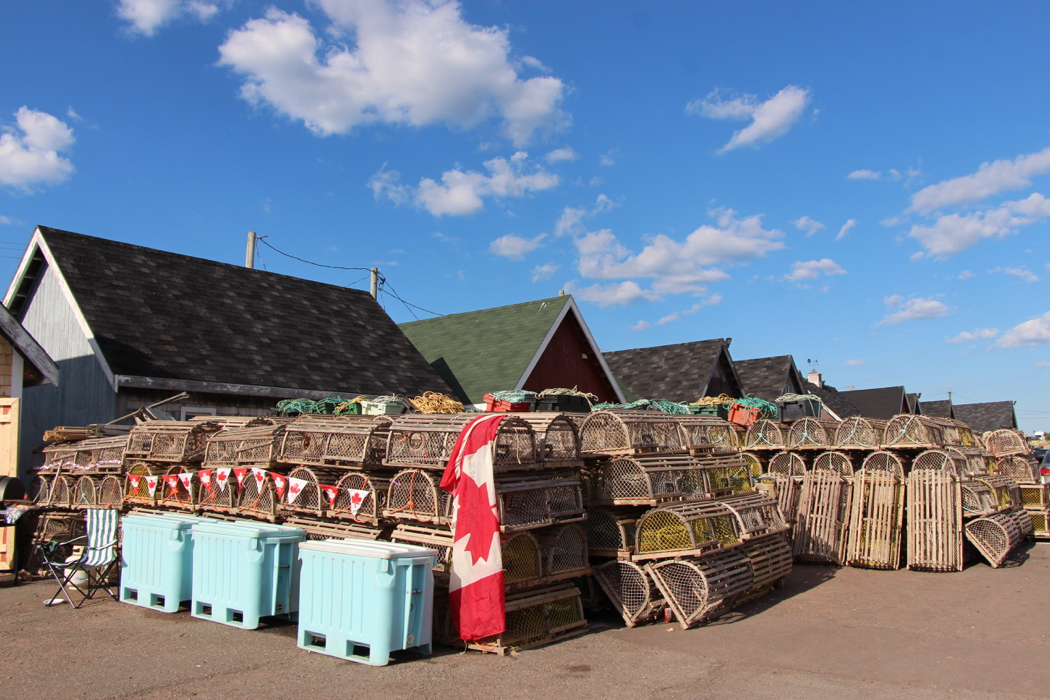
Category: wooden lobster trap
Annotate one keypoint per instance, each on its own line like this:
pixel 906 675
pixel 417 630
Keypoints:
pixel 685 529
pixel 522 561
pixel 249 446
pixel 627 433
pixel 218 490
pixel 935 531
pixel 324 529
pixel 858 432
pixel 142 483
pixel 787 464
pixel 913 432
pixel 414 494
pixel 699 589
pixel 1007 442
pixel 257 495
pixel 335 441
pixel 823 516
pixel 770 559
pixel 169 441
pixel 39 492
pixel 557 438
pixel 649 480
pixel 426 440
pixel 360 497
pixel 995 536
pixel 611 531
pixel 766 434
pixel 811 433
pixel 631 591
pixel 965 434
pixel 1034 496
pixel 59 457
pixel 63 491
pixel 565 552
pixel 974 462
pixel 884 461
pixel 1023 520
pixel 86 492
pixel 708 431
pixel 436 537
pixel 978 500
pixel 940 460
pixel 179 488
pixel 312 490
pixel 1007 493
pixel 528 501
pixel 111 492
pixel 839 462
pixel 1040 520
pixel 1023 469
pixel 876 520
pixel 757 516
pixel 726 474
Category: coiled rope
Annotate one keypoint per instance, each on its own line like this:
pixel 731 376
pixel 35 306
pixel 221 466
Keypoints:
pixel 434 402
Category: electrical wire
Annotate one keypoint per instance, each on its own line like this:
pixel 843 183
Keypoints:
pixel 393 293
pixel 330 267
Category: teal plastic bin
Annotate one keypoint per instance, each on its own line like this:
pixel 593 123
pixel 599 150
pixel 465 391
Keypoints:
pixel 360 600
pixel 156 566
pixel 245 571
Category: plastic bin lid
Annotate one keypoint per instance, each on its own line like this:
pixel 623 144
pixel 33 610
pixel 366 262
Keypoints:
pixel 253 530
pixel 157 520
pixel 366 548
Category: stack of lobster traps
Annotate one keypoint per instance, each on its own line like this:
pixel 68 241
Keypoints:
pixel 78 475
pixel 676 525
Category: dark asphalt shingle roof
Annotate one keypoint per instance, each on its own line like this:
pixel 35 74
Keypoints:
pixel 769 377
pixel 982 417
pixel 936 409
pixel 164 315
pixel 884 402
pixel 833 399
pixel 675 372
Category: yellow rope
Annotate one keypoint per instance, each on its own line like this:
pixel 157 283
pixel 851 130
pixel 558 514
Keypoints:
pixel 713 400
pixel 434 402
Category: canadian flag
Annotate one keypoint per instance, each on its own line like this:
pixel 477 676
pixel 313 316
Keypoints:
pixel 187 479
pixel 476 576
pixel 240 473
pixel 151 485
pixel 357 498
pixel 295 487
pixel 279 483
pixel 331 492
pixel 222 476
pixel 260 477
pixel 205 476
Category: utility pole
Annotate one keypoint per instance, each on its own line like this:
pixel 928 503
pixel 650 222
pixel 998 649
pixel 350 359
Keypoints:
pixel 249 256
pixel 375 283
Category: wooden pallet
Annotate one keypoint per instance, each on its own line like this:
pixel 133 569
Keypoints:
pixel 876 521
pixel 935 537
pixel 823 515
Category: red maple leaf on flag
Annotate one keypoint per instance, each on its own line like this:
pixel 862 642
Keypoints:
pixel 356 499
pixel 477 518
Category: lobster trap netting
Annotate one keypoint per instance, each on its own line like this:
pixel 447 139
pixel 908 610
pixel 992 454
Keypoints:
pixel 861 432
pixel 876 520
pixel 610 531
pixel 884 461
pixel 973 460
pixel 87 491
pixel 335 441
pixel 1034 496
pixel 685 528
pixel 59 457
pixel 616 432
pixel 305 490
pixel 994 536
pixel 1007 493
pixel 179 488
pixel 765 434
pixel 63 491
pixel 908 430
pixel 727 474
pixel 258 497
pixel 787 464
pixel 219 494
pixel 557 437
pixel 757 515
pixel 141 483
pixel 426 441
pixel 111 492
pixel 233 447
pixel 522 560
pixel 838 462
pixel 977 499
pixel 935 539
pixel 170 441
pixel 414 494
pixel 699 589
pixel 940 460
pixel 704 431
pixel 565 553
pixel 536 617
pixel 436 537
pixel 823 515
pixel 1021 468
pixel 649 479
pixel 39 490
pixel 811 433
pixel 787 490
pixel 528 501
pixel 770 559
pixel 631 591
pixel 360 497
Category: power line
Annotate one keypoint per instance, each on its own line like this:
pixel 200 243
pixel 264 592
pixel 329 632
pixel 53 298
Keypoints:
pixel 330 267
pixel 393 293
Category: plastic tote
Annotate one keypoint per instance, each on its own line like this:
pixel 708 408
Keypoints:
pixel 360 600
pixel 156 565
pixel 244 571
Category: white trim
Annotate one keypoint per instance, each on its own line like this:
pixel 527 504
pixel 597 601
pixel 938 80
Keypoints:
pixel 23 267
pixel 571 305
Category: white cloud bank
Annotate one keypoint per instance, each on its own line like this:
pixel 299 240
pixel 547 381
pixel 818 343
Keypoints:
pixel 1027 334
pixel 917 309
pixel 769 119
pixel 1020 272
pixel 147 16
pixel 979 334
pixel 953 233
pixel 813 269
pixel 461 193
pixel 29 153
pixel 515 247
pixel 990 179
pixel 409 63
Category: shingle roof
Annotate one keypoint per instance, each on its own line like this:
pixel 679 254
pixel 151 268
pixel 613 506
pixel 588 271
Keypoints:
pixel 937 409
pixel 833 399
pixel 884 402
pixel 163 315
pixel 913 403
pixel 676 372
pixel 766 377
pixel 486 350
pixel 983 417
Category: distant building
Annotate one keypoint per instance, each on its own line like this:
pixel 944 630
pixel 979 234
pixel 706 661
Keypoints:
pixel 770 378
pixel 680 372
pixel 937 409
pixel 835 405
pixel 982 417
pixel 883 403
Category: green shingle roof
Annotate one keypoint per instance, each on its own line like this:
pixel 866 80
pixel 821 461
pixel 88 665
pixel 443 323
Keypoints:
pixel 486 350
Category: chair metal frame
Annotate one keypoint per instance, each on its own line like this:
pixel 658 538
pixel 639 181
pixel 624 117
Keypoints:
pixel 97 561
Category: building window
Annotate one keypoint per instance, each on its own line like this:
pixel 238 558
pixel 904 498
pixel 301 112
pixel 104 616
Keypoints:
pixel 194 411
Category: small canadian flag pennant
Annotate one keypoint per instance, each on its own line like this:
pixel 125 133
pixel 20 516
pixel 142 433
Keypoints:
pixel 331 492
pixel 295 487
pixel 260 478
pixel 187 479
pixel 280 483
pixel 357 498
pixel 240 473
pixel 172 481
pixel 205 476
pixel 134 480
pixel 151 485
pixel 222 475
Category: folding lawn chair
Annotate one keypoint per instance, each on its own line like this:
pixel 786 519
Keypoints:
pixel 97 561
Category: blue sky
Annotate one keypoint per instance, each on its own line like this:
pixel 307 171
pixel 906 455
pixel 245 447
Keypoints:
pixel 861 185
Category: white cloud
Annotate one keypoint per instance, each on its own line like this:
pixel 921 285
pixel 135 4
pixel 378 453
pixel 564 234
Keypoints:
pixel 892 221
pixel 8 221
pixel 808 225
pixel 147 16
pixel 813 269
pixel 677 267
pixel 1027 334
pixel 29 154
pixel 853 363
pixel 966 274
pixel 916 309
pixel 560 154
pixel 641 326
pixel 571 220
pixel 1042 363
pixel 543 272
pixel 850 223
pixel 969 337
pixel 460 193
pixel 515 247
pixel 606 159
pixel 956 232
pixel 611 294
pixel 990 178
pixel 411 62
pixel 1025 275
pixel 770 119
pixel 669 318
pixel 864 175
